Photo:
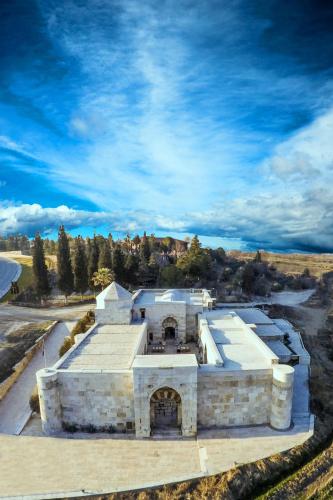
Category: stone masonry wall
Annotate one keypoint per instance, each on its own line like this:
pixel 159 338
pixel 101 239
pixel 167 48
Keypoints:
pixel 233 399
pixel 115 313
pixel 181 379
pixel 100 399
pixel 156 313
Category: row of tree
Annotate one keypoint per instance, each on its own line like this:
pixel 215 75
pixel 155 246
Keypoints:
pixel 89 263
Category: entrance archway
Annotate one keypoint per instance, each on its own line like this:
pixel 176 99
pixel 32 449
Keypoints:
pixel 165 410
pixel 169 329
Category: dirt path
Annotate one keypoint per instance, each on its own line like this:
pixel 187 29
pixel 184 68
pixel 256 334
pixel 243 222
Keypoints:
pixel 14 408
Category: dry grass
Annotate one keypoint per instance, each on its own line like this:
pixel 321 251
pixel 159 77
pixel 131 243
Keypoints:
pixel 292 263
pixel 26 278
pixel 13 347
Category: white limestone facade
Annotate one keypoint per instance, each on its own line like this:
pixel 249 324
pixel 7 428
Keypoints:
pixel 164 361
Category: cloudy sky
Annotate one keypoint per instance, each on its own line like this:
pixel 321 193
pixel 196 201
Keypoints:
pixel 175 116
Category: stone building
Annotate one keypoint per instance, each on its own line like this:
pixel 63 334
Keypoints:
pixel 166 361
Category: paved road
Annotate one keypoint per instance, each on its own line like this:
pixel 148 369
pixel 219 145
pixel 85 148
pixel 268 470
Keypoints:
pixel 14 408
pixel 71 313
pixel 10 270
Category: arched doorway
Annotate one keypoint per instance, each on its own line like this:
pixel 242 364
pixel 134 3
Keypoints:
pixel 165 410
pixel 169 329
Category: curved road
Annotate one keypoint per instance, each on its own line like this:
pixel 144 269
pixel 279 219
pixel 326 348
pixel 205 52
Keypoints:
pixel 10 270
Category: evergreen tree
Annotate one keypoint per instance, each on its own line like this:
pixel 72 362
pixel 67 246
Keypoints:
pixel 153 268
pixel 39 267
pixel 104 259
pixel 92 258
pixel 65 273
pixel 118 264
pixel 257 257
pixel 25 245
pixel 131 268
pixel 136 242
pixel 80 266
pixel 145 247
pixel 110 240
pixel 248 279
pixel 171 277
pixel 196 262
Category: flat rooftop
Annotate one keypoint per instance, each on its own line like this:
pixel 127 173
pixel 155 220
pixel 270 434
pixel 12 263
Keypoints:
pixel 187 296
pixel 107 347
pixel 165 361
pixel 239 347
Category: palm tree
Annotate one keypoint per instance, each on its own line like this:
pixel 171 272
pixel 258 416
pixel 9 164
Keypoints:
pixel 102 278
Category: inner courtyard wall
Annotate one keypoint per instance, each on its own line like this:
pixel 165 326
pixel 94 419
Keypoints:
pixel 227 399
pixel 98 399
pixel 155 315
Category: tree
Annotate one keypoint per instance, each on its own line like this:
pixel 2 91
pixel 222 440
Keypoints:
pixel 171 276
pixel 104 259
pixel 25 245
pixel 80 266
pixel 248 279
pixel 136 241
pixel 92 258
pixel 41 283
pixel 102 278
pixel 196 262
pixel 118 264
pixel 65 273
pixel 153 268
pixel 145 247
pixel 131 267
pixel 257 257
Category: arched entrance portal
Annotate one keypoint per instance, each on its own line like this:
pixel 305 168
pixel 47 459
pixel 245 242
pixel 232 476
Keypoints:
pixel 165 410
pixel 169 329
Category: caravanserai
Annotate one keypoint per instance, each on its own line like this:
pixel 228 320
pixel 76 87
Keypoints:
pixel 169 362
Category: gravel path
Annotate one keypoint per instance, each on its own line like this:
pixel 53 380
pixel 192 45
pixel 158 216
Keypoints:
pixel 14 408
pixel 10 270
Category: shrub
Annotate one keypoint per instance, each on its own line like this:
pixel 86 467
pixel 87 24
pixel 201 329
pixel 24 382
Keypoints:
pixel 81 326
pixel 67 344
pixel 34 401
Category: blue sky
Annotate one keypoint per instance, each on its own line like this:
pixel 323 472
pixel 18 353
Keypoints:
pixel 178 117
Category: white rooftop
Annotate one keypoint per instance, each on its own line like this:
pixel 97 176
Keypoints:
pixel 238 345
pixel 107 347
pixel 165 361
pixel 159 296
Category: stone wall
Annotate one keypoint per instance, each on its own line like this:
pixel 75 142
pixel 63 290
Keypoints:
pixel 192 321
pixel 98 399
pixel 157 313
pixel 181 379
pixel 115 313
pixel 233 398
pixel 101 400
